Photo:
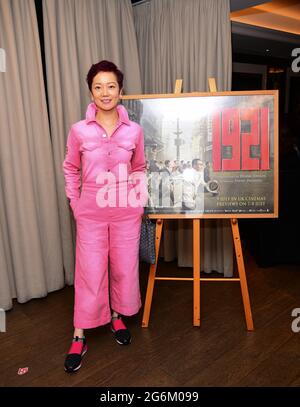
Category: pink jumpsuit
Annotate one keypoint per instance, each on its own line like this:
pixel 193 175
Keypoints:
pixel 107 226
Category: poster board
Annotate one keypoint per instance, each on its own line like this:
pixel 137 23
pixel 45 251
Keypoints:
pixel 210 155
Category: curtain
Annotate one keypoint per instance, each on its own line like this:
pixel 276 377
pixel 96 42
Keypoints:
pixel 189 40
pixel 30 242
pixel 79 33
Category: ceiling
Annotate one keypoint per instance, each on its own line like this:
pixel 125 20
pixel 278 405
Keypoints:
pixel 281 15
pixel 270 29
pixel 234 4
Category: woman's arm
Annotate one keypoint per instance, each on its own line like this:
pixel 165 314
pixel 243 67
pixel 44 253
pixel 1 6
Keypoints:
pixel 71 168
pixel 138 170
pixel 138 162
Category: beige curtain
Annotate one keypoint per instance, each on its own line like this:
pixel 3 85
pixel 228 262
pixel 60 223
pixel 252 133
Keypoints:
pixel 30 242
pixel 190 40
pixel 77 34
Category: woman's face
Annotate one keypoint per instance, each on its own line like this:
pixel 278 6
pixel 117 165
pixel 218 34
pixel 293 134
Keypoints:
pixel 105 90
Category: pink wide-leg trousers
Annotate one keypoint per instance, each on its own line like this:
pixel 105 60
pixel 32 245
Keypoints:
pixel 107 261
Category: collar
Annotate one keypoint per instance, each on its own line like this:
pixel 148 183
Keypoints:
pixel 92 109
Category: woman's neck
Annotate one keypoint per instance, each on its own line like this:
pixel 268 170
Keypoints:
pixel 107 118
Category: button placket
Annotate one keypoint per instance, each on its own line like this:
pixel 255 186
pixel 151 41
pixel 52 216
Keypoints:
pixel 107 140
pixel 109 154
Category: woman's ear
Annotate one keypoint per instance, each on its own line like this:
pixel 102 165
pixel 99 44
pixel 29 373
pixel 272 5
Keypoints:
pixel 121 92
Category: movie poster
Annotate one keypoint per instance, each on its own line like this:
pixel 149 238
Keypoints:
pixel 209 155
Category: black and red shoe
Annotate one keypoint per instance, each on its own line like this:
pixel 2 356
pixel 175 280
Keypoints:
pixel 122 333
pixel 76 352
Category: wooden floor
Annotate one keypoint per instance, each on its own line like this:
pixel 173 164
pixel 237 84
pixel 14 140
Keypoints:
pixel 170 352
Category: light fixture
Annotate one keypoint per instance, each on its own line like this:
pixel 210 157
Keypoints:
pixel 275 70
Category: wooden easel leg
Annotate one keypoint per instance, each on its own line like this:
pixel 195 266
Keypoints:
pixel 152 273
pixel 242 274
pixel 196 269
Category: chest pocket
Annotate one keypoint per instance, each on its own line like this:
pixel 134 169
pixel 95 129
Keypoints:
pixel 90 146
pixel 126 145
pixel 124 151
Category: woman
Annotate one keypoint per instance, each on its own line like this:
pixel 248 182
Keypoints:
pixel 105 159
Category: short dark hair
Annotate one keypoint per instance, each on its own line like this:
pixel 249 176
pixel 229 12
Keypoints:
pixel 104 66
pixel 195 160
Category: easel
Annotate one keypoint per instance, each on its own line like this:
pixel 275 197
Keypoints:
pixel 196 260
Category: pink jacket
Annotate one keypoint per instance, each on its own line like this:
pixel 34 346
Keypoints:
pixel 91 152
